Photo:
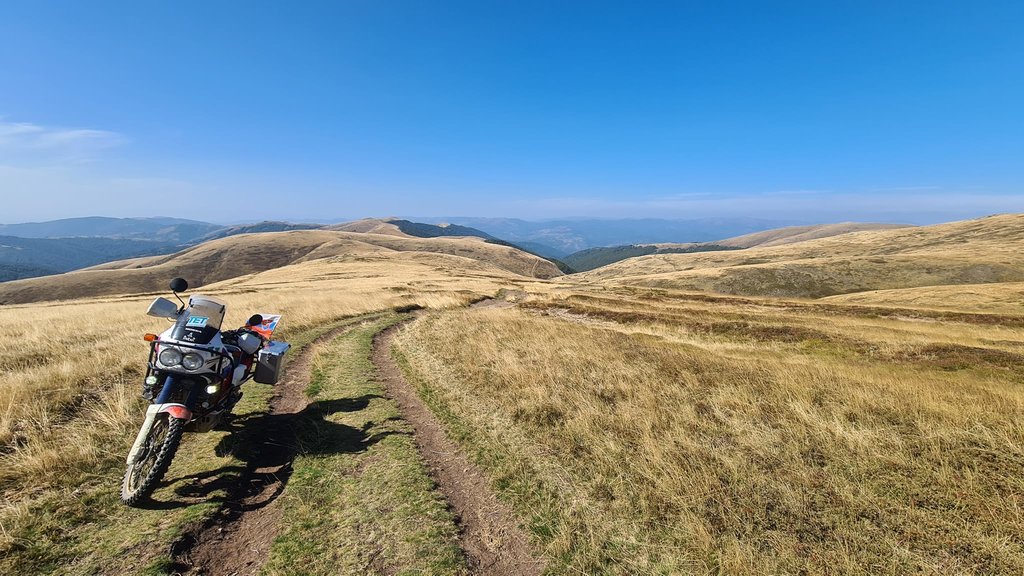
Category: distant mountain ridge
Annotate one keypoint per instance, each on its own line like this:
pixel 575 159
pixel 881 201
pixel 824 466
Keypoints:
pixel 264 226
pixel 171 230
pixel 74 243
pixel 568 235
pixel 247 254
pixel 42 248
pixel 31 257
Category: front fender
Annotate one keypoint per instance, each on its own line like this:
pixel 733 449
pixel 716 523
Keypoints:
pixel 176 410
pixel 179 411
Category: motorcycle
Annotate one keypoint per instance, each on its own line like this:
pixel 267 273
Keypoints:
pixel 193 380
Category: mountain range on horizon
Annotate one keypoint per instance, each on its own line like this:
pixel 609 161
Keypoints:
pixel 557 237
pixel 732 262
pixel 35 249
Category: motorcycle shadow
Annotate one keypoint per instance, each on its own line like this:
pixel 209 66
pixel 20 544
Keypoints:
pixel 267 444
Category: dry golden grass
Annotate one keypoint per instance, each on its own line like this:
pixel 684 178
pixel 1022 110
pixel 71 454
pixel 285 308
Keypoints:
pixel 70 371
pixel 794 234
pixel 997 298
pixel 236 256
pixel 969 252
pixel 637 429
pixel 788 235
pixel 649 433
pixel 371 226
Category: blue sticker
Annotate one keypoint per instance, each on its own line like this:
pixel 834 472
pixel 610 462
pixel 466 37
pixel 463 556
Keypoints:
pixel 197 321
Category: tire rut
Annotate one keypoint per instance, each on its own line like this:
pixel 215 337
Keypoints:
pixel 490 536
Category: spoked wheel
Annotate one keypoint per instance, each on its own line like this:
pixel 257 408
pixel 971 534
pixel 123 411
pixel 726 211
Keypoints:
pixel 154 458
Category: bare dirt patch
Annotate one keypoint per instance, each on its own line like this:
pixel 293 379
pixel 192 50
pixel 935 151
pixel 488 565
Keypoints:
pixel 492 540
pixel 491 303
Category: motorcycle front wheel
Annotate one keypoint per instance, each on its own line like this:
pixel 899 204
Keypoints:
pixel 153 460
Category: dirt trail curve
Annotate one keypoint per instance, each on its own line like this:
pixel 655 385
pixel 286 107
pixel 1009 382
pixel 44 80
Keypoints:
pixel 236 541
pixel 491 538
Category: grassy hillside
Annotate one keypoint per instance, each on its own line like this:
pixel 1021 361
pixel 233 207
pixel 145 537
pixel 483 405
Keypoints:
pixel 969 252
pixel 996 298
pixel 369 226
pixel 648 433
pixel 633 429
pixel 398 227
pixel 592 258
pixel 793 234
pixel 252 253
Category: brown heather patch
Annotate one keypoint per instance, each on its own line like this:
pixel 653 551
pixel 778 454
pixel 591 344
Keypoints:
pixel 742 329
pixel 957 357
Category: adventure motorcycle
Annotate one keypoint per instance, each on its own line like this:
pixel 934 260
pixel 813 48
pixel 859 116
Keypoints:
pixel 193 380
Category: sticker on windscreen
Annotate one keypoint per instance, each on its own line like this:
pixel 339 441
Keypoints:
pixel 197 321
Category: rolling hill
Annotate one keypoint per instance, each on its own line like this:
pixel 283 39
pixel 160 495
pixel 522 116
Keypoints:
pixel 794 234
pixel 620 421
pixel 995 298
pixel 969 252
pixel 247 254
pixel 399 227
pixel 592 258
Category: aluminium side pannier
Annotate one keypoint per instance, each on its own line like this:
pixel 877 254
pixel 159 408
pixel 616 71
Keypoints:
pixel 269 363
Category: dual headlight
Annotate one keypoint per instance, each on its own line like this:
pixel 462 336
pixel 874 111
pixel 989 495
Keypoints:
pixel 171 357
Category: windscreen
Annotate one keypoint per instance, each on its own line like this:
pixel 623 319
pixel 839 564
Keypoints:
pixel 201 320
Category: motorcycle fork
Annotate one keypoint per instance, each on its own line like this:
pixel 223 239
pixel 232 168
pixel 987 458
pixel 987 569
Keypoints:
pixel 159 405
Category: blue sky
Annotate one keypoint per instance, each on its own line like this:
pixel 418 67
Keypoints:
pixel 227 111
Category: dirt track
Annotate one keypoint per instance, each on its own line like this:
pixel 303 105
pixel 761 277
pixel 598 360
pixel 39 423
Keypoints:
pixel 237 540
pixel 490 537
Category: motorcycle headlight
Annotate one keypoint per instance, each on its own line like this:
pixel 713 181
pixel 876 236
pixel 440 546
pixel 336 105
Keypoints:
pixel 192 361
pixel 170 357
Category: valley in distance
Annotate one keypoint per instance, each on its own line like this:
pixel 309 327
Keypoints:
pixel 492 395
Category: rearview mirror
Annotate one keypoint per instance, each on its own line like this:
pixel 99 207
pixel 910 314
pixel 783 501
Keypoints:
pixel 179 285
pixel 163 308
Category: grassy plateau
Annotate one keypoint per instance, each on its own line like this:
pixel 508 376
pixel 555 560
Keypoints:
pixel 647 432
pixel 850 404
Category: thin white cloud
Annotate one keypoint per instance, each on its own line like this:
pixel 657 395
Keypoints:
pixel 28 142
